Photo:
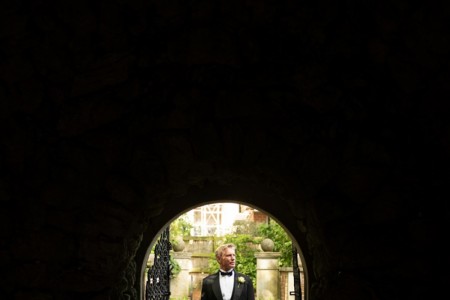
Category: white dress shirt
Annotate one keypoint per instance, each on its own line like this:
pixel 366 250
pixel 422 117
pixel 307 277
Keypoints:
pixel 226 285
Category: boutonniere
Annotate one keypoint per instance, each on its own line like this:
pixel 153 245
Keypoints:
pixel 241 280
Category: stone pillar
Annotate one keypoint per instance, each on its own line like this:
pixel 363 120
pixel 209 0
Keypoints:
pixel 180 285
pixel 267 275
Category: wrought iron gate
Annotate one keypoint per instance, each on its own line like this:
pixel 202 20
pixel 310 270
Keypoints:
pixel 158 282
pixel 296 270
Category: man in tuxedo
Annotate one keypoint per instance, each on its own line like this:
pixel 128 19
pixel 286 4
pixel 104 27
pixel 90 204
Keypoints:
pixel 227 284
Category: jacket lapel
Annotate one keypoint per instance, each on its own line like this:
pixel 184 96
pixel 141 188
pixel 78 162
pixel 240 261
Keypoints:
pixel 216 287
pixel 238 287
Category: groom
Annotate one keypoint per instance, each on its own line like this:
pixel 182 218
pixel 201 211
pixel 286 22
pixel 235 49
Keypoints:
pixel 227 284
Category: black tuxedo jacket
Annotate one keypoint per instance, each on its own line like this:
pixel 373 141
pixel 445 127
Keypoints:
pixel 241 291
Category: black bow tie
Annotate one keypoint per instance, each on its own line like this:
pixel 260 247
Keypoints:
pixel 226 273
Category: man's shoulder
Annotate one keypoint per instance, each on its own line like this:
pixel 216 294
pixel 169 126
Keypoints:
pixel 242 275
pixel 211 276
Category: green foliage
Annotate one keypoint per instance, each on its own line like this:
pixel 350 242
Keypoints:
pixel 175 267
pixel 180 227
pixel 282 242
pixel 213 265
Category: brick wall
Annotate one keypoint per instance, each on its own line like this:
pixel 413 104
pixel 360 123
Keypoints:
pixel 259 217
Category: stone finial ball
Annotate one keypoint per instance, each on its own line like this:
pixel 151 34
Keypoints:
pixel 267 245
pixel 178 244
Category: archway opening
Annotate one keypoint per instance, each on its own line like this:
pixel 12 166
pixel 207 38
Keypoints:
pixel 212 223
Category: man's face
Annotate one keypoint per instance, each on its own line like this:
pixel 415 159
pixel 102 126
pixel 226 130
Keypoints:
pixel 228 259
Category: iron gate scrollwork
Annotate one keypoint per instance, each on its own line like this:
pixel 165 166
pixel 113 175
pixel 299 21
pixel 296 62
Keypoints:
pixel 158 282
pixel 296 270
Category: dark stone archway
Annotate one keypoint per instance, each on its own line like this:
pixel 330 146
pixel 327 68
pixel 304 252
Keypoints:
pixel 118 115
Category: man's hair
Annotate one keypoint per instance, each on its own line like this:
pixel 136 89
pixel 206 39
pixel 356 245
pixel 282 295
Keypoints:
pixel 221 248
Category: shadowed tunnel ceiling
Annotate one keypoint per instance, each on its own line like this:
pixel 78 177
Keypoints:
pixel 116 116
